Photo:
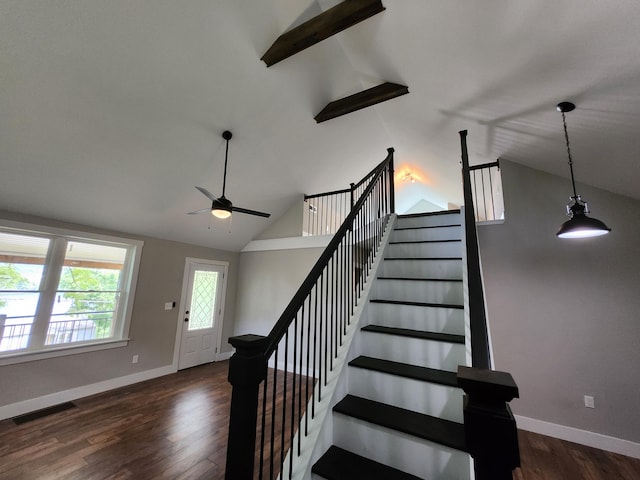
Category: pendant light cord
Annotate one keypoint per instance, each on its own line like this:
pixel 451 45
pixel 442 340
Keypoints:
pixel 566 137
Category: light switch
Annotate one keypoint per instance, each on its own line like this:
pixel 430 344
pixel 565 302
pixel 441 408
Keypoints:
pixel 168 305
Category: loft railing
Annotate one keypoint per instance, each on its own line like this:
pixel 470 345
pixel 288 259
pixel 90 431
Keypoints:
pixel 324 213
pixel 486 187
pixel 490 427
pixel 277 378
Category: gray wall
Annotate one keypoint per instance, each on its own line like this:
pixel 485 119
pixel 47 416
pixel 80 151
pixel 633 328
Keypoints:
pixel 267 282
pixel 565 314
pixel 153 329
pixel 288 225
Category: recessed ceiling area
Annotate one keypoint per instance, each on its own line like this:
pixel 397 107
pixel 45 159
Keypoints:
pixel 111 112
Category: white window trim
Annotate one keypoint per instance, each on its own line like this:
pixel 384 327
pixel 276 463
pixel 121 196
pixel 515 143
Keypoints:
pixel 131 274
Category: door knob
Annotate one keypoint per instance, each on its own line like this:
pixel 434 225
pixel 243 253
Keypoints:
pixel 186 319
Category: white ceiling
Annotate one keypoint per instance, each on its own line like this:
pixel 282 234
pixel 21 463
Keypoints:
pixel 112 111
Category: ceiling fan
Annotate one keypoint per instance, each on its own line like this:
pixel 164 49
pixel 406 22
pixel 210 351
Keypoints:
pixel 222 207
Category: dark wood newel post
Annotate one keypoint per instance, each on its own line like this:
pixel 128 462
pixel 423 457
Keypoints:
pixel 353 188
pixel 247 369
pixel 490 429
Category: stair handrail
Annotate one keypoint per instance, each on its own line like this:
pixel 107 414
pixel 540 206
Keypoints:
pixel 480 351
pixel 278 330
pixel 487 392
pixel 248 365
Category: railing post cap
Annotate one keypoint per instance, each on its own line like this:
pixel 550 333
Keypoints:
pixel 248 342
pixel 487 385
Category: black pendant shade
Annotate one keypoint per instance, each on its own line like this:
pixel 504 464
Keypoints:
pixel 579 225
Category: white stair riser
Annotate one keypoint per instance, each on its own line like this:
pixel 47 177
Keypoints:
pixel 421 268
pixel 429 220
pixel 423 397
pixel 431 319
pixel 405 452
pixel 418 291
pixel 424 250
pixel 415 234
pixel 415 351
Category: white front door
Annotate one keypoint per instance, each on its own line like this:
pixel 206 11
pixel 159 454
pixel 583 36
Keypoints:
pixel 202 313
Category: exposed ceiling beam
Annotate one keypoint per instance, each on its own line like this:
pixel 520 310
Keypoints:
pixel 357 101
pixel 313 31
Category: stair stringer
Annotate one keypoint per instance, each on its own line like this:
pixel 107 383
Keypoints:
pixel 320 427
pixel 465 292
pixel 465 285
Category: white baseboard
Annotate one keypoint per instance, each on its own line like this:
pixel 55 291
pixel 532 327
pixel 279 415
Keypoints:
pixel 224 355
pixel 33 404
pixel 583 437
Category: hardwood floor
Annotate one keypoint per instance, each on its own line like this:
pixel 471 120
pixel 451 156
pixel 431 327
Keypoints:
pixel 547 458
pixel 175 427
pixel 171 427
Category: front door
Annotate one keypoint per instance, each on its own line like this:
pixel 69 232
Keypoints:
pixel 202 313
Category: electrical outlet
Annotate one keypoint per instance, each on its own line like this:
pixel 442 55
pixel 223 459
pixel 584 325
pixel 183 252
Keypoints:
pixel 135 359
pixel 588 401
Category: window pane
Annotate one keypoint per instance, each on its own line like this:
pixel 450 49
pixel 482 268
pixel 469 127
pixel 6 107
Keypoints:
pixel 88 293
pixel 17 312
pixel 203 300
pixel 22 260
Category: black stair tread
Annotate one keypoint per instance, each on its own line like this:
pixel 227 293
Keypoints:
pixel 429 214
pixel 398 242
pixel 418 304
pixel 406 332
pixel 406 370
pixel 429 226
pixel 340 464
pixel 438 430
pixel 420 279
pixel 423 258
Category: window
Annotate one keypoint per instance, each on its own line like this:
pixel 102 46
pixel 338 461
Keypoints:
pixel 61 289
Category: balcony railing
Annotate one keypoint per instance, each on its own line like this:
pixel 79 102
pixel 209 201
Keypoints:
pixel 16 331
pixel 486 188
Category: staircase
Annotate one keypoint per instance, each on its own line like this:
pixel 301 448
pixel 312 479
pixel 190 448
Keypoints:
pixel 402 415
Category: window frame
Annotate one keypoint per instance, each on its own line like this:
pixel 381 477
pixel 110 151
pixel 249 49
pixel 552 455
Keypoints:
pixel 53 265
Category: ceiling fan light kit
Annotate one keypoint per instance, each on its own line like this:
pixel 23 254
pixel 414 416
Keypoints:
pixel 579 224
pixel 222 207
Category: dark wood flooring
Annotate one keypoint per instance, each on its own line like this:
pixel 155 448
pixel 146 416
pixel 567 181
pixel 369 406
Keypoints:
pixel 175 427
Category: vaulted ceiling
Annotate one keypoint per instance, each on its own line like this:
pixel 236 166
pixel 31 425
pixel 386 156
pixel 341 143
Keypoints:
pixel 112 111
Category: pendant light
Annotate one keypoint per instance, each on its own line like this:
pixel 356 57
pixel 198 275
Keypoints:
pixel 578 225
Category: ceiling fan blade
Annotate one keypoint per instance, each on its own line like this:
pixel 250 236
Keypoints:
pixel 250 212
pixel 207 194
pixel 204 210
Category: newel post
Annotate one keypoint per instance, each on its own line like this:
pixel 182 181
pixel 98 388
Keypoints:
pixel 353 188
pixel 490 428
pixel 247 369
pixel 392 186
